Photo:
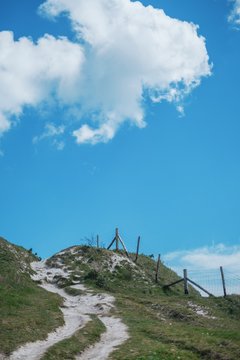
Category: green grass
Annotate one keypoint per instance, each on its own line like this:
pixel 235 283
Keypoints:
pixel 165 328
pixel 27 312
pixel 161 323
pixel 74 292
pixel 69 348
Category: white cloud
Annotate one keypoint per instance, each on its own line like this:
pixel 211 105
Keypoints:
pixel 4 124
pixel 60 145
pixel 31 74
pixel 87 135
pixel 53 132
pixel 203 266
pixel 206 258
pixel 181 110
pixel 133 50
pixel 234 16
pixel 124 53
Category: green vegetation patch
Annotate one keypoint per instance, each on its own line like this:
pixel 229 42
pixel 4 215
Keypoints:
pixel 165 327
pixel 27 312
pixel 74 292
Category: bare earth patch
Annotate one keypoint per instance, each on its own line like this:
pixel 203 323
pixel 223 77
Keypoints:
pixel 114 336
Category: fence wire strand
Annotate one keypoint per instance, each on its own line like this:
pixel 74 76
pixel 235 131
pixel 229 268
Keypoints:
pixel 211 280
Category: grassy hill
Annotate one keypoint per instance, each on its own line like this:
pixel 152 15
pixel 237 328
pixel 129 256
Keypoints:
pixel 27 312
pixel 162 324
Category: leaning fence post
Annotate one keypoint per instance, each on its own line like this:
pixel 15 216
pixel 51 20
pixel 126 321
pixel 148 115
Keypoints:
pixel 223 281
pixel 117 239
pixel 185 278
pixel 137 252
pixel 157 270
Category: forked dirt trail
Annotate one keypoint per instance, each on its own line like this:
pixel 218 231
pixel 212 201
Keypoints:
pixel 76 311
pixel 114 336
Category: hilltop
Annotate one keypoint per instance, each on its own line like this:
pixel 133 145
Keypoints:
pixel 111 290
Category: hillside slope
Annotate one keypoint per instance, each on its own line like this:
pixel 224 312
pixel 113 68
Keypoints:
pixel 27 312
pixel 161 324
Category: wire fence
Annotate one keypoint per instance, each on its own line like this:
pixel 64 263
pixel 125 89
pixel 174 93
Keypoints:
pixel 211 280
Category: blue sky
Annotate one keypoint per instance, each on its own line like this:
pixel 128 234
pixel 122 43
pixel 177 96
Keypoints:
pixel 75 168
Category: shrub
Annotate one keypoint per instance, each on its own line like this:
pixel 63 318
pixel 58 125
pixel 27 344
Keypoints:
pixel 124 273
pixel 102 282
pixel 91 275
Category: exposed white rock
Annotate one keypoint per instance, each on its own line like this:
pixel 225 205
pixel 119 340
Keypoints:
pixel 200 310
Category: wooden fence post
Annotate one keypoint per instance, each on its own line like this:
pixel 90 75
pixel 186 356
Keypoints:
pixel 97 241
pixel 185 278
pixel 117 239
pixel 138 245
pixel 200 287
pixel 223 281
pixel 157 269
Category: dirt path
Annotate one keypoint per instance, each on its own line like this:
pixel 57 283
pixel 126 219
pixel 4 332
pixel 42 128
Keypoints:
pixel 76 311
pixel 115 335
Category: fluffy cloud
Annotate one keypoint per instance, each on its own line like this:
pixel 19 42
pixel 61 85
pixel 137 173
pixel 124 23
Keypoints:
pixel 124 53
pixel 234 16
pixel 206 258
pixel 31 74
